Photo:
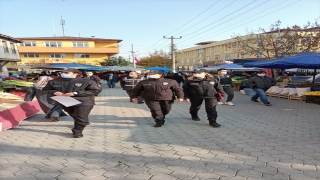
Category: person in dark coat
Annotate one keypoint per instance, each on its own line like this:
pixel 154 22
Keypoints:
pixel 128 82
pixel 93 77
pixel 112 79
pixel 260 84
pixel 175 76
pixel 200 87
pixel 80 89
pixel 227 85
pixel 158 93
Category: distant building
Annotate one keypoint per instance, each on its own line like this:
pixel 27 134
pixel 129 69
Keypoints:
pixel 66 49
pixel 8 52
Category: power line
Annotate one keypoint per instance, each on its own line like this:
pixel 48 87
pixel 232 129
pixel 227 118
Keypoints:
pixel 186 23
pixel 224 30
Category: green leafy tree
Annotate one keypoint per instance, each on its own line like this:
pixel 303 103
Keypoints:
pixel 115 61
pixel 157 58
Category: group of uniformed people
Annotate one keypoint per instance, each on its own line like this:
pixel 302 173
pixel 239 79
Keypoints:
pixel 156 91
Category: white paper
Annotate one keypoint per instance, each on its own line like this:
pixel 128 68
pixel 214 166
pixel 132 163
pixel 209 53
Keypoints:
pixel 67 101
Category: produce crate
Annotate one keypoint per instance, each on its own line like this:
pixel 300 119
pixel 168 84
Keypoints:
pixel 313 99
pixel 296 97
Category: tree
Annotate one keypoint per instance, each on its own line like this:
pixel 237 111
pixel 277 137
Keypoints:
pixel 279 42
pixel 115 61
pixel 157 58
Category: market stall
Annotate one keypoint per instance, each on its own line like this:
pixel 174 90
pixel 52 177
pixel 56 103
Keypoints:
pixel 13 108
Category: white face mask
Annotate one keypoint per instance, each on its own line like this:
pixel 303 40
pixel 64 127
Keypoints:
pixel 199 75
pixel 89 74
pixel 155 76
pixel 131 75
pixel 66 75
pixel 223 73
pixel 261 75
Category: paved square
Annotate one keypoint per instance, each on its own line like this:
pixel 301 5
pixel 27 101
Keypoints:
pixel 281 142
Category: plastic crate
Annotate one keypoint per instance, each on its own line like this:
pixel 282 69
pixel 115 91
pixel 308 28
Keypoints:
pixel 313 99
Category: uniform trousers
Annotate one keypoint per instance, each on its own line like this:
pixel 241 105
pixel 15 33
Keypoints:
pixel 130 91
pixel 80 115
pixel 210 106
pixel 159 109
pixel 229 91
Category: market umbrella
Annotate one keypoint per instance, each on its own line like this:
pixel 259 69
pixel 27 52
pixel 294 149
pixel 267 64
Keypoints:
pixel 301 60
pixel 71 65
pixel 18 67
pixel 123 68
pixel 158 68
pixel 234 67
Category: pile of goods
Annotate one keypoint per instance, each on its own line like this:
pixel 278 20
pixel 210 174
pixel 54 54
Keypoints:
pixel 14 84
pixel 312 93
pixel 238 79
pixel 304 85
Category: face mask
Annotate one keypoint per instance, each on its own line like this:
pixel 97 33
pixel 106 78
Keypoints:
pixel 130 75
pixel 66 75
pixel 261 75
pixel 89 74
pixel 153 77
pixel 199 75
pixel 223 73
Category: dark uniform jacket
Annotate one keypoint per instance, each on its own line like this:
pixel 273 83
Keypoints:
pixel 261 82
pixel 128 82
pixel 206 88
pixel 175 76
pixel 95 79
pixel 225 80
pixel 85 89
pixel 158 89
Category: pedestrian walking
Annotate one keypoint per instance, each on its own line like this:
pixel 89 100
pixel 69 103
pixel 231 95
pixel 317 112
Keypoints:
pixel 80 89
pixel 260 84
pixel 93 77
pixel 129 82
pixel 111 80
pixel 227 85
pixel 158 93
pixel 202 86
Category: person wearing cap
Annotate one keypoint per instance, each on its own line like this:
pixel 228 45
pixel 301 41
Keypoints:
pixel 80 89
pixel 158 94
pixel 202 86
pixel 93 77
pixel 260 84
pixel 227 85
pixel 129 82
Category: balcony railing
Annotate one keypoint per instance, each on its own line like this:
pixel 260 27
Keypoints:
pixel 9 57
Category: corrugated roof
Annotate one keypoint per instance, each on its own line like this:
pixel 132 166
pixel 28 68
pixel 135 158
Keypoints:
pixel 69 38
pixel 10 38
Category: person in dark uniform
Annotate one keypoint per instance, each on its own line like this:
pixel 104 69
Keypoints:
pixel 129 82
pixel 93 77
pixel 158 94
pixel 80 89
pixel 227 85
pixel 203 86
pixel 175 76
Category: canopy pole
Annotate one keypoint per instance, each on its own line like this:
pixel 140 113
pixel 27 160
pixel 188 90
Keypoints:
pixel 314 76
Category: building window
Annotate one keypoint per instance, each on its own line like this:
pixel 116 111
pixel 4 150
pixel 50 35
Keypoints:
pixel 182 61
pixel 260 54
pixel 216 49
pixel 57 55
pixel 5 47
pixel 208 58
pixel 31 55
pixel 227 56
pixel 260 42
pixel 81 56
pixel 28 43
pixel 53 44
pixel 227 47
pixel 193 53
pixel 200 52
pixel 217 57
pixel 187 60
pixel 13 49
pixel 305 41
pixel 208 50
pixel 193 60
pixel 80 44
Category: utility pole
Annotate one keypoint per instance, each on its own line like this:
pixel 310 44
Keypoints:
pixel 133 56
pixel 172 51
pixel 62 22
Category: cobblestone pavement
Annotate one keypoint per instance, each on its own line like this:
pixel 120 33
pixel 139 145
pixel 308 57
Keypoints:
pixel 255 142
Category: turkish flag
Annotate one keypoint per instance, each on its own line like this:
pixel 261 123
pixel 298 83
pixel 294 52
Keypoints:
pixel 136 60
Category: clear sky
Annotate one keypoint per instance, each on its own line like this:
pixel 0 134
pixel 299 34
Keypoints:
pixel 143 23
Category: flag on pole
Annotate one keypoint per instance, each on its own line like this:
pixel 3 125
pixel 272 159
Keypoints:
pixel 137 61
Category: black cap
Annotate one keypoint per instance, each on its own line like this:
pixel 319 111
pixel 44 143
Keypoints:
pixel 71 70
pixel 199 70
pixel 155 72
pixel 222 69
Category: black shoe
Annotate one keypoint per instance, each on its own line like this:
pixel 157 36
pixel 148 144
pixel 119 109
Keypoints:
pixel 77 135
pixel 157 125
pixel 268 104
pixel 195 118
pixel 214 124
pixel 255 101
pixel 131 100
pixel 141 102
pixel 53 119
